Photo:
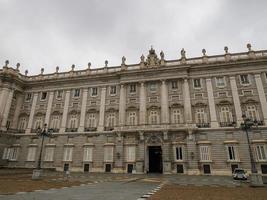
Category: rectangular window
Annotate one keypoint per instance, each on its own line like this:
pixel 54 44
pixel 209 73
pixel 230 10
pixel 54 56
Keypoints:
pixel 94 91
pixel 220 82
pixel 232 153
pixel 204 153
pixel 174 85
pixel 153 117
pixel 111 120
pixel 252 112
pixel 108 154
pixel 91 121
pixel 179 153
pixel 177 117
pixel 197 83
pixel 225 114
pixel 261 153
pixel 49 154
pixel 43 95
pixel 13 154
pixel 28 96
pixel 88 154
pixel 130 154
pixel 201 116
pixel 67 154
pixel 5 153
pixel 113 90
pixel 76 93
pixel 132 118
pixel 31 153
pixel 59 94
pixel 132 88
pixel 244 79
pixel 152 87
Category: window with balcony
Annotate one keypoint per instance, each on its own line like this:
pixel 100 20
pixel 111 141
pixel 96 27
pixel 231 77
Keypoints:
pixel 204 153
pixel 220 82
pixel 153 117
pixel 232 153
pixel 11 153
pixel 73 122
pixel 176 116
pixel 55 122
pixel 261 152
pixel 226 117
pixel 31 153
pixel 153 87
pixel 87 154
pixel 132 88
pixel 113 90
pixel 200 116
pixel 67 156
pixel 22 124
pixel 197 83
pixel 132 121
pixel 49 154
pixel 244 79
pixel 130 153
pixel 38 123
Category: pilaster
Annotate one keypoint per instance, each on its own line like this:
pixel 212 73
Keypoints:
pixel 102 109
pixel 49 107
pixel 122 106
pixel 65 112
pixel 164 103
pixel 142 103
pixel 34 102
pixel 262 97
pixel 238 111
pixel 83 109
pixel 7 109
pixel 212 109
pixel 187 102
pixel 14 124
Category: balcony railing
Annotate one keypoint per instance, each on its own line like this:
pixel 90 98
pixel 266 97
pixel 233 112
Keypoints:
pixel 71 129
pixel 109 128
pixel 90 129
pixel 227 124
pixel 21 131
pixel 54 130
pixel 203 125
pixel 259 122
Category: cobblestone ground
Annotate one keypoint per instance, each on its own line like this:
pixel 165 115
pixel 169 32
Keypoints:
pixel 178 192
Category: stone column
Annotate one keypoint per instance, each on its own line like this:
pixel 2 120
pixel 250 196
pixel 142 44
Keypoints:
pixel 83 110
pixel 164 103
pixel 213 116
pixel 49 107
pixel 122 107
pixel 119 154
pixel 187 102
pixel 261 96
pixel 20 99
pixel 142 104
pixel 7 109
pixel 34 102
pixel 166 154
pixel 65 112
pixel 238 111
pixel 102 109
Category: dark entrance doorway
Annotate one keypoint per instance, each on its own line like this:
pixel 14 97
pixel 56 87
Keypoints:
pixel 86 167
pixel 155 159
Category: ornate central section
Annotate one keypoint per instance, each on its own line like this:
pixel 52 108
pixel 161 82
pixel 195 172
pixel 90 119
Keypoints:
pixel 152 58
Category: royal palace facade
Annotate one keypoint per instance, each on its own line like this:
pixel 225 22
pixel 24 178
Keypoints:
pixel 166 116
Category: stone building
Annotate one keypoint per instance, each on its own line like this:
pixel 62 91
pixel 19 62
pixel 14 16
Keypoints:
pixel 167 116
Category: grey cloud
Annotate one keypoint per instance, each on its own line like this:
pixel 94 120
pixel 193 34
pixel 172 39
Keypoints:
pixel 59 33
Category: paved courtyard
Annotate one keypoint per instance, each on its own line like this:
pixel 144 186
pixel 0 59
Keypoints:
pixel 118 186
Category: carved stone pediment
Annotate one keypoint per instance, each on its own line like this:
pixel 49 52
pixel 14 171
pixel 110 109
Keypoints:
pixel 178 137
pixel 152 58
pixel 154 139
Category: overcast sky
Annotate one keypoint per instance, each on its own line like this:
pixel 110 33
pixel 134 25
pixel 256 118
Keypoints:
pixel 52 33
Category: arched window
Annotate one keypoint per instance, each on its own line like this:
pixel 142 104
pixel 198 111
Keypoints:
pixel 55 122
pixel 153 117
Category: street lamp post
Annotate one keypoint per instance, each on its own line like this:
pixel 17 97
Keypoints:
pixel 44 132
pixel 255 178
